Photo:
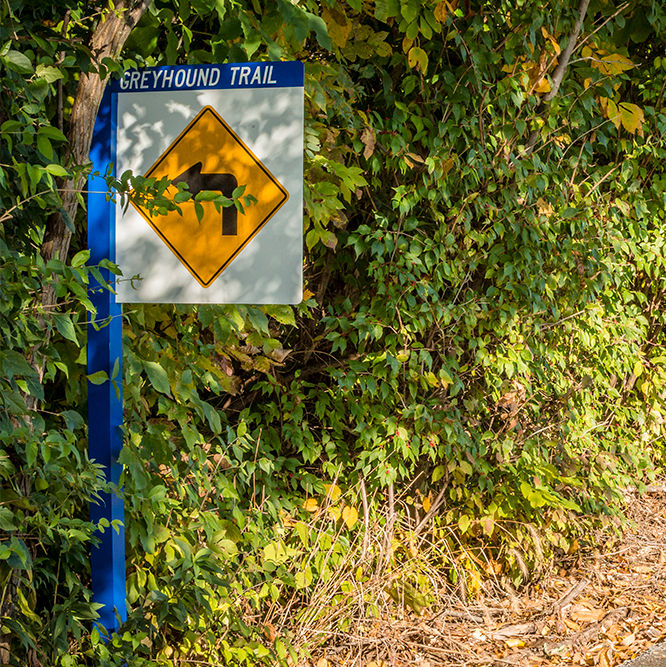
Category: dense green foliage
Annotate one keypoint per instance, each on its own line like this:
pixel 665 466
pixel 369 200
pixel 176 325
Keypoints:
pixel 482 333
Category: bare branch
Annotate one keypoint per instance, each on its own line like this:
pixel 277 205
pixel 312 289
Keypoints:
pixel 561 68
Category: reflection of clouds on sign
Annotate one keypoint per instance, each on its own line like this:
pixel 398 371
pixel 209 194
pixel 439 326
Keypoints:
pixel 267 269
pixel 208 155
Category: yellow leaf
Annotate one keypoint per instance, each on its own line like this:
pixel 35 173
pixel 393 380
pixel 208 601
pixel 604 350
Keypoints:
pixel 25 606
pixel 441 11
pixel 448 165
pixel 311 505
pixel 334 513
pixel 543 86
pixel 350 516
pixel 515 643
pixel 538 80
pixel 613 113
pixel 407 44
pixel 632 117
pixel 610 64
pixel 551 39
pixel 603 101
pixel 338 26
pixel 307 294
pixel 544 207
pixel 333 492
pixel 417 56
pixel 427 503
pixel 431 378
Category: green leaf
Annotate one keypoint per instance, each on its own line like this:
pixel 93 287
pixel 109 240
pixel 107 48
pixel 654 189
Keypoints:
pixel 39 89
pixel 17 61
pixel 438 473
pixel 15 364
pixel 81 258
pixel 73 420
pixel 48 73
pixel 100 377
pixel 318 25
pixel 312 238
pixel 536 497
pixel 7 519
pixel 65 326
pixel 52 133
pixel 56 170
pixel 44 147
pixel 11 126
pixel 283 314
pixel 258 319
pixel 157 376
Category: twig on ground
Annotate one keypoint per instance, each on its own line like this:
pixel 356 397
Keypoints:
pixel 569 596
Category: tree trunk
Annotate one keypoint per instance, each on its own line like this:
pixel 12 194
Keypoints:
pixel 107 42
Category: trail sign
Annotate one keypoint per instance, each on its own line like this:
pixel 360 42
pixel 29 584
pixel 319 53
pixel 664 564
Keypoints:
pixel 208 155
pixel 213 127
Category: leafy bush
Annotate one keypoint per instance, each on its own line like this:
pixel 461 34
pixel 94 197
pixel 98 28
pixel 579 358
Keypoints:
pixel 477 365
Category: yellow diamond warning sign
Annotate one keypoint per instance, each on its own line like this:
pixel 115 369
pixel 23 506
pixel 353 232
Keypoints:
pixel 209 155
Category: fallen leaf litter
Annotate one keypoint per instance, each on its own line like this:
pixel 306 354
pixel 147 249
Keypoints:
pixel 605 609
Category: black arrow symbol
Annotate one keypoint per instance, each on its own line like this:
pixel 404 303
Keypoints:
pixel 224 183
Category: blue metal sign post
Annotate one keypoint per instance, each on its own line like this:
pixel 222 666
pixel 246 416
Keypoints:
pixel 105 406
pixel 144 117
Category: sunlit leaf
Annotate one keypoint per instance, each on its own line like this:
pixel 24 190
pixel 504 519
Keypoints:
pixel 333 492
pixel 417 56
pixel 350 516
pixel 311 505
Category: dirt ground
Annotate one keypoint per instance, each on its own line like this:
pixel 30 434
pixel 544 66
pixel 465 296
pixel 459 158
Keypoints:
pixel 606 607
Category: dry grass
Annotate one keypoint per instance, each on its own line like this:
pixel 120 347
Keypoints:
pixel 391 601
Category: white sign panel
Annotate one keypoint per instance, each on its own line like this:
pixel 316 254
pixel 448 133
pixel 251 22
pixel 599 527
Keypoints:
pixel 215 128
